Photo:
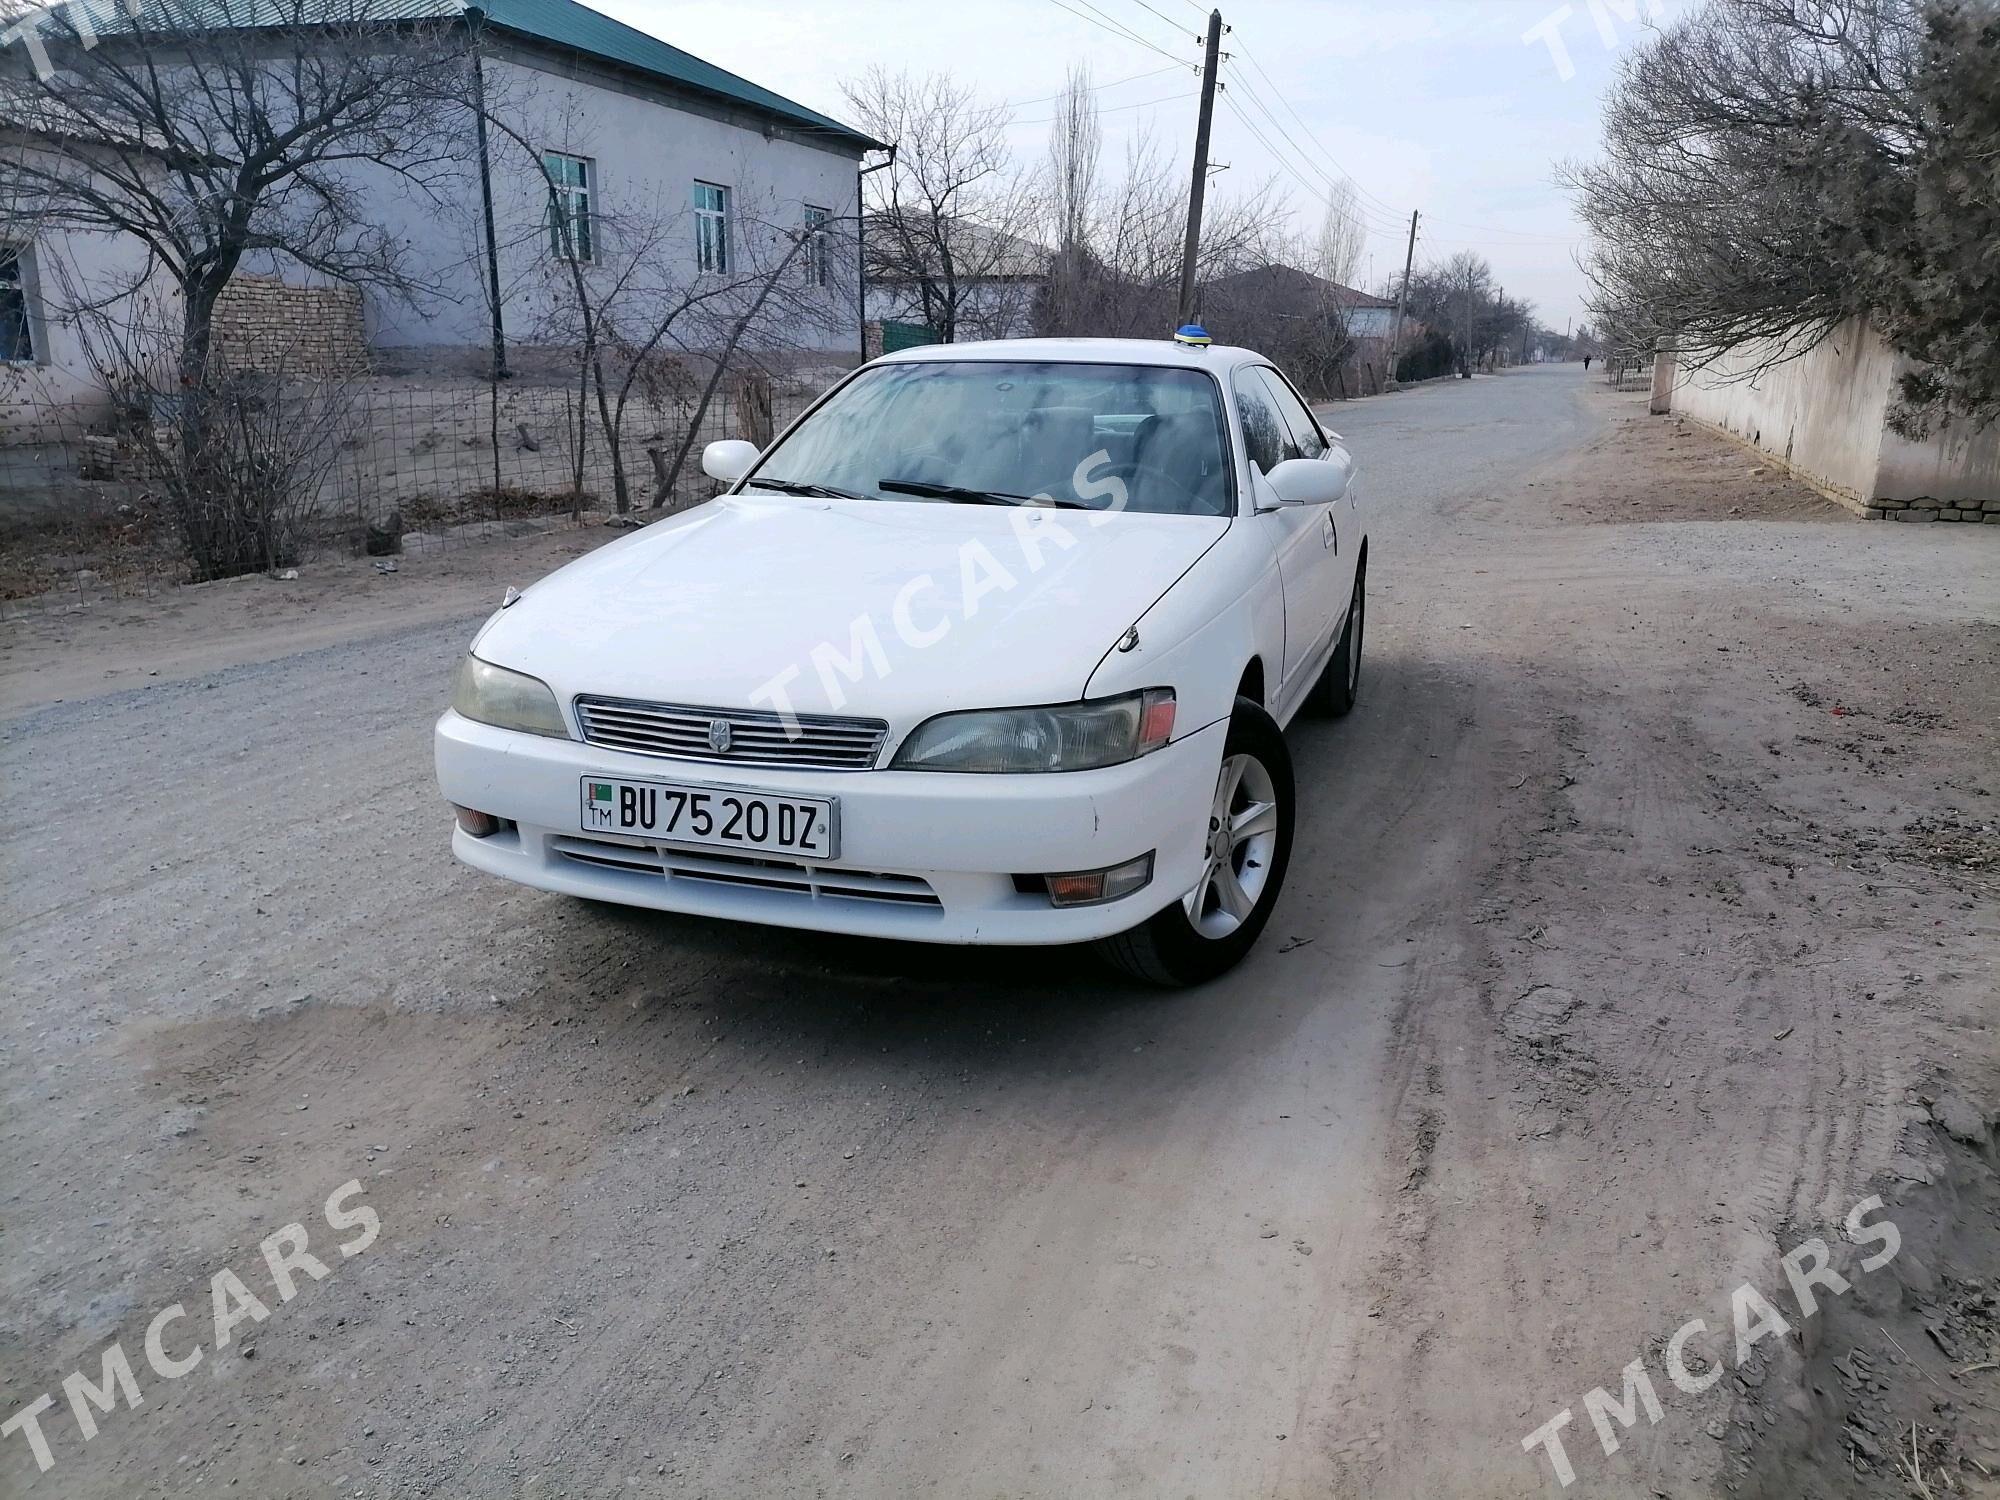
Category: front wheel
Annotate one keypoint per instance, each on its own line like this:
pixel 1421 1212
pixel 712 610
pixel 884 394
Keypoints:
pixel 1339 682
pixel 1248 847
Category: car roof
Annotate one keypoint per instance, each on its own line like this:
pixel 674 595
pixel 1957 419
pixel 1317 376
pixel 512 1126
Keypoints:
pixel 1164 353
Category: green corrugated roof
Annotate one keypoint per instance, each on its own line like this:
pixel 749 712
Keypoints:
pixel 564 23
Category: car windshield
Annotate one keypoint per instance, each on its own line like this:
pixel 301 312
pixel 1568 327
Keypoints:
pixel 1100 437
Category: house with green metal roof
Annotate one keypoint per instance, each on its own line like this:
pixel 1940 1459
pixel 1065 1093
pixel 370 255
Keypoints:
pixel 610 178
pixel 565 27
pixel 623 163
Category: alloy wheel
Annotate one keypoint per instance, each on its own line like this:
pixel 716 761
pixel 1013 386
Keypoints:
pixel 1354 623
pixel 1242 844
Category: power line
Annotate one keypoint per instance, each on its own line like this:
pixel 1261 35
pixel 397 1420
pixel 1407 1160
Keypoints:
pixel 1161 14
pixel 1116 108
pixel 1117 29
pixel 1291 171
pixel 1373 220
pixel 1095 88
pixel 1389 208
pixel 1521 235
pixel 1361 215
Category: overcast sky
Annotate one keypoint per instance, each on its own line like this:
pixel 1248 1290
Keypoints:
pixel 1437 105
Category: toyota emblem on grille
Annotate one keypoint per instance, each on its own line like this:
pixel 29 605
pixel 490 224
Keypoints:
pixel 720 736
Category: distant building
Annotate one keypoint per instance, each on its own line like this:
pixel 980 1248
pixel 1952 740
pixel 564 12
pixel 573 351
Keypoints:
pixel 996 274
pixel 1287 292
pixel 1332 339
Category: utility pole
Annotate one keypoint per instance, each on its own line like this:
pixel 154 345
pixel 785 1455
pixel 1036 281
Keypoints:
pixel 1402 300
pixel 861 243
pixel 1185 314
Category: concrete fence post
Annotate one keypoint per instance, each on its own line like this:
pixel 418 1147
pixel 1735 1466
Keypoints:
pixel 1663 376
pixel 753 410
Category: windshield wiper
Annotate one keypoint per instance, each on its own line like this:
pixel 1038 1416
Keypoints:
pixel 801 487
pixel 959 494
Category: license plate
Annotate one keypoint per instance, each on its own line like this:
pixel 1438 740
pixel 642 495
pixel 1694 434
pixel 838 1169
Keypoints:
pixel 713 817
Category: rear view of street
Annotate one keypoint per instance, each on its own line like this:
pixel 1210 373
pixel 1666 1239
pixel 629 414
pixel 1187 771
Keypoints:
pixel 1642 922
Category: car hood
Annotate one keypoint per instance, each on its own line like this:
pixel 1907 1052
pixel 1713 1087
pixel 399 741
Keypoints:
pixel 930 606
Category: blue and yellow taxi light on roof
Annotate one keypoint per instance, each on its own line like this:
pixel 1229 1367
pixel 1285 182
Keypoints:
pixel 1193 335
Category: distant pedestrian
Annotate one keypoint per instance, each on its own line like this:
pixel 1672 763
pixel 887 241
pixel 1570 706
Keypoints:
pixel 1586 361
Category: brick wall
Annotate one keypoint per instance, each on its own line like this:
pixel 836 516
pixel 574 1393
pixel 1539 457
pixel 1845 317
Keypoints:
pixel 263 324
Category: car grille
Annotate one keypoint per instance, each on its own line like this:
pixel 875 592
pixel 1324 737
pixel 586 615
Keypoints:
pixel 813 881
pixel 821 743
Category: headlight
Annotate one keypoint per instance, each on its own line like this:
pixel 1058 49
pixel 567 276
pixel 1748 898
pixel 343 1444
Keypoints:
pixel 1065 737
pixel 507 700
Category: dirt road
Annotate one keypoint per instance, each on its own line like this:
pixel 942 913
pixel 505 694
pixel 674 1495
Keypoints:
pixel 1642 920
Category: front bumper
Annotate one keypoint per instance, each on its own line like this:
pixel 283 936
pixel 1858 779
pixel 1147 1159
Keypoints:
pixel 925 856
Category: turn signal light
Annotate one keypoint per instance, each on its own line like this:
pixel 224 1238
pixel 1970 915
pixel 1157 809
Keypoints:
pixel 1156 719
pixel 1093 887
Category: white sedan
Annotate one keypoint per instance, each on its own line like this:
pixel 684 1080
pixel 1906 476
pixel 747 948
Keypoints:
pixel 995 644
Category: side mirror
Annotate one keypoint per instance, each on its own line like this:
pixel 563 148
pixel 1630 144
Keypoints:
pixel 728 460
pixel 1312 481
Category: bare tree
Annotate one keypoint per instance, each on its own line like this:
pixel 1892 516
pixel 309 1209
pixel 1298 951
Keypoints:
pixel 1773 167
pixel 226 133
pixel 243 484
pixel 619 290
pixel 1342 238
pixel 933 213
pixel 762 301
pixel 1116 271
pixel 1067 196
pixel 221 136
pixel 1451 298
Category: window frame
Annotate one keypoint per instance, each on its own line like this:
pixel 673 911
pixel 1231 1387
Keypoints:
pixel 23 287
pixel 1238 377
pixel 819 247
pixel 1281 389
pixel 711 229
pixel 572 203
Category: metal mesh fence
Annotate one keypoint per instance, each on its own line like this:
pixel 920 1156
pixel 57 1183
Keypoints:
pixel 437 462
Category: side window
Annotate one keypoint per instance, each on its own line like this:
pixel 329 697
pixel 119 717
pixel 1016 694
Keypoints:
pixel 1306 441
pixel 1264 434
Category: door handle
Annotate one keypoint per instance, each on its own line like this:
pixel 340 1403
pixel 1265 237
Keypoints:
pixel 1330 536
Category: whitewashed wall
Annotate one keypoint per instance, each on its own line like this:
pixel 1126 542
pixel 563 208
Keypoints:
pixel 1825 414
pixel 47 398
pixel 648 151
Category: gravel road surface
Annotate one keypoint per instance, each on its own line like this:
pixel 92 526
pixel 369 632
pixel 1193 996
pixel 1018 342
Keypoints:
pixel 1642 920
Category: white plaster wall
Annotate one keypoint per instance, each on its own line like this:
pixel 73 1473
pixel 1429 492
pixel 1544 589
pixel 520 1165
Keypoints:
pixel 1825 414
pixel 647 153
pixel 1957 465
pixel 1822 413
pixel 53 396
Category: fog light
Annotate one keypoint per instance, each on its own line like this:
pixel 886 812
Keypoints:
pixel 480 825
pixel 1092 887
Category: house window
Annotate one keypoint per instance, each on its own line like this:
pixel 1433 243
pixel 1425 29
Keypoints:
pixel 571 179
pixel 818 251
pixel 711 226
pixel 17 334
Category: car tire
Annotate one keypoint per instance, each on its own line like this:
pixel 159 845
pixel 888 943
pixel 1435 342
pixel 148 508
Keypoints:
pixel 1200 936
pixel 1339 682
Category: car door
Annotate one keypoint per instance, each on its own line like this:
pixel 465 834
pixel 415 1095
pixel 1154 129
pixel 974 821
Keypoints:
pixel 1317 571
pixel 1293 531
pixel 1341 527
